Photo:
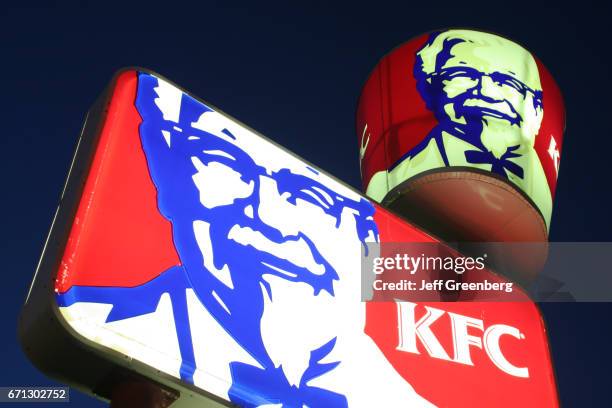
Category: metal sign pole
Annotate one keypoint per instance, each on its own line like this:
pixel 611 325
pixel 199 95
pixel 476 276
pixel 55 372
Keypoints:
pixel 140 394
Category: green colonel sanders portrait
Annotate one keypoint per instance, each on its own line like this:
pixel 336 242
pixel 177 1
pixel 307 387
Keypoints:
pixel 486 95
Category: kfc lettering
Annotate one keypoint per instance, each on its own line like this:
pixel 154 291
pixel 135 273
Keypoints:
pixel 409 329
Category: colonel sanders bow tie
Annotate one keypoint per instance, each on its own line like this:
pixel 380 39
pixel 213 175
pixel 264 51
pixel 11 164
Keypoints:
pixel 499 166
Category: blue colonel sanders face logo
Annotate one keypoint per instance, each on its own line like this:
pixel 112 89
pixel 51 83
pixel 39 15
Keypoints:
pixel 227 210
pixel 271 249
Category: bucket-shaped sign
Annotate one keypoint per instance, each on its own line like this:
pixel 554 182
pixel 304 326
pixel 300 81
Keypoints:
pixel 461 132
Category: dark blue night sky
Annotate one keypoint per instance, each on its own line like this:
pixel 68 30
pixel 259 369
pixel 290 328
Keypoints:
pixel 293 73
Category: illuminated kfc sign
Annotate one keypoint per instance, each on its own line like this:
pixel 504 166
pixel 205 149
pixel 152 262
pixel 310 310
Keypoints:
pixel 410 329
pixel 192 251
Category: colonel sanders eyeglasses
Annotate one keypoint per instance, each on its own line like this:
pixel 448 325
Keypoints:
pixel 467 78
